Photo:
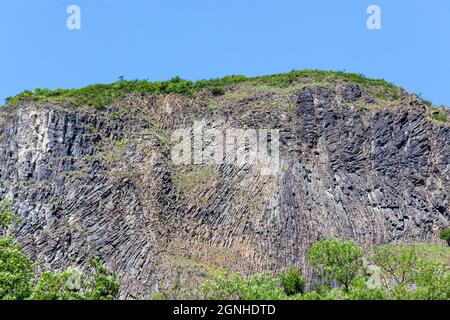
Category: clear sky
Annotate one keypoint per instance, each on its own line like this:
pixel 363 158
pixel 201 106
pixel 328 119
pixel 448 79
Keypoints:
pixel 195 39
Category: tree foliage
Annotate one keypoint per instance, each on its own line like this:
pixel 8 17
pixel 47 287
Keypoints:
pixel 431 280
pixel 16 271
pixel 336 261
pixel 397 264
pixel 64 285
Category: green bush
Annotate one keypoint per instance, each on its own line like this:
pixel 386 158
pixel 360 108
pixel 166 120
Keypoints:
pixel 360 290
pixel 6 215
pixel 226 286
pixel 445 235
pixel 439 116
pixel 292 281
pixel 99 283
pixel 16 270
pixel 217 91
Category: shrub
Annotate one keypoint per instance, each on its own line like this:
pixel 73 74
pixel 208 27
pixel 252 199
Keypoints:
pixel 90 128
pixel 408 276
pixel 445 235
pixel 360 290
pixel 6 215
pixel 99 283
pixel 439 116
pixel 217 91
pixel 292 281
pixel 226 286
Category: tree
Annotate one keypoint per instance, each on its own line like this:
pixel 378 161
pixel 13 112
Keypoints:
pixel 292 281
pixel 16 271
pixel 445 235
pixel 406 275
pixel 397 264
pixel 334 260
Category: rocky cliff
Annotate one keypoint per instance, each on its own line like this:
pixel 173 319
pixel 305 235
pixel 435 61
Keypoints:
pixel 355 162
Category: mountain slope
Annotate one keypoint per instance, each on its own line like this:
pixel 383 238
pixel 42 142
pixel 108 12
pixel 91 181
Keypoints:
pixel 359 158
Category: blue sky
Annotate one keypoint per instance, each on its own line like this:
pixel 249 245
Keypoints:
pixel 195 39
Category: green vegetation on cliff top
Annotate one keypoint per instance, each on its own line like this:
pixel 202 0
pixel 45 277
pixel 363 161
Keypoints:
pixel 101 95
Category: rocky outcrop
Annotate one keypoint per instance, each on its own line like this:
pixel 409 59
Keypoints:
pixel 102 183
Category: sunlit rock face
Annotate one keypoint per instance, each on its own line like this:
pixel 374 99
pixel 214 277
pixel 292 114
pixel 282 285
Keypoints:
pixel 102 182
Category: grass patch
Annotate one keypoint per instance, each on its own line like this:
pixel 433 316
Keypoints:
pixel 431 251
pixel 91 128
pixel 213 106
pixel 121 144
pixel 437 114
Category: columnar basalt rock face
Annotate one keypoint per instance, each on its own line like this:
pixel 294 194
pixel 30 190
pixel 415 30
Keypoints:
pixel 102 183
